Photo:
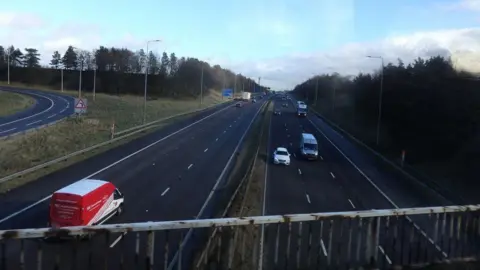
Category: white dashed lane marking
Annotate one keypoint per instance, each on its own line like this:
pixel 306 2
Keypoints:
pixel 351 203
pixel 29 124
pixel 165 191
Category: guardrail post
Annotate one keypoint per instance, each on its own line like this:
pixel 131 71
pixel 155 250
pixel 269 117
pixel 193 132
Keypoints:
pixel 372 241
pixel 112 130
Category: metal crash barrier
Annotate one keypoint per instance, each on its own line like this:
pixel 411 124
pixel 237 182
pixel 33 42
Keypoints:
pixel 378 238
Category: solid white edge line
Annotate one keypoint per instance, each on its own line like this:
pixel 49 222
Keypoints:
pixel 264 199
pixel 116 162
pixel 378 189
pixel 33 115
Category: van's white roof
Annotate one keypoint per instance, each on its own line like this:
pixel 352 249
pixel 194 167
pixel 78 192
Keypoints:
pixel 308 136
pixel 82 187
pixel 282 149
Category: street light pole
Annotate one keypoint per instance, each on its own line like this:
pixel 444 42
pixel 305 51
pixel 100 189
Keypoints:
pixel 94 82
pixel 80 81
pixel 201 89
pixel 8 67
pixel 379 120
pixel 147 62
pixel 316 92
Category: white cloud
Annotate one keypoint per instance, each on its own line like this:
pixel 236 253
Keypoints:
pixel 26 21
pixel 469 5
pixel 463 45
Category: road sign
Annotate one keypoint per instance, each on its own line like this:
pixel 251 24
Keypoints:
pixel 81 105
pixel 227 93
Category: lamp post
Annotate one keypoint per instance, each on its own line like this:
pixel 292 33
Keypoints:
pixel 147 62
pixel 8 66
pixel 380 99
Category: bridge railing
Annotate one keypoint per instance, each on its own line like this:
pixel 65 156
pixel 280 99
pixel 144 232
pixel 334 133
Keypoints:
pixel 381 238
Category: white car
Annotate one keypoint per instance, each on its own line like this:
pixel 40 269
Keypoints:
pixel 281 156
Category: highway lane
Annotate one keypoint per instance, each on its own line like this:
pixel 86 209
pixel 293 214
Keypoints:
pixel 302 187
pixel 170 180
pixel 49 107
pixel 328 185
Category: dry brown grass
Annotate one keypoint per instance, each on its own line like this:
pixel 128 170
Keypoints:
pixel 11 103
pixel 249 203
pixel 25 151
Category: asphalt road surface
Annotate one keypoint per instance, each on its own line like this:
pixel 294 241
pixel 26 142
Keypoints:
pixel 162 179
pixel 49 107
pixel 345 178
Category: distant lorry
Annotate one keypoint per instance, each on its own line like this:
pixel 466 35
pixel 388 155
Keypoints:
pixel 302 110
pixel 246 96
pixel 85 202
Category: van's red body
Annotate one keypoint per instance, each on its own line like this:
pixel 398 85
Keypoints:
pixel 86 202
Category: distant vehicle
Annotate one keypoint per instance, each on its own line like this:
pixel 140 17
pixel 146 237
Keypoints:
pixel 246 95
pixel 281 156
pixel 277 112
pixel 302 110
pixel 85 202
pixel 309 146
pixel 254 100
pixel 239 105
pixel 285 104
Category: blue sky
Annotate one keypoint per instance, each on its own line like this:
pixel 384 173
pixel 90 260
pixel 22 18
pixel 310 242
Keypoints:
pixel 250 29
pixel 285 40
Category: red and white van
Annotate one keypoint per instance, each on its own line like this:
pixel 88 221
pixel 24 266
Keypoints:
pixel 85 202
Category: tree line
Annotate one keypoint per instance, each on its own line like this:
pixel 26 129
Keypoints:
pixel 428 108
pixel 121 71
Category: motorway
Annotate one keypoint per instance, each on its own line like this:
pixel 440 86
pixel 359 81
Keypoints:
pixel 48 108
pixel 165 175
pixel 345 178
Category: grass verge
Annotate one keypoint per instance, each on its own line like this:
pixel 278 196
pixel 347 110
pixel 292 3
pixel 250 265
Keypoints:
pixel 249 203
pixel 25 151
pixel 238 179
pixel 11 103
